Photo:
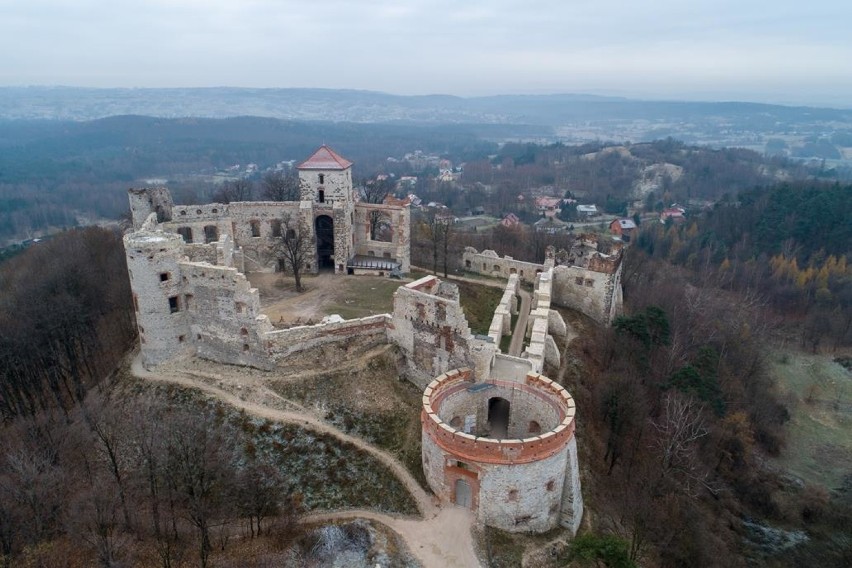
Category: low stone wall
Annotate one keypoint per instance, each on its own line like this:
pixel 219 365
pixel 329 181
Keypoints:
pixel 542 347
pixel 489 263
pixel 329 342
pixel 501 324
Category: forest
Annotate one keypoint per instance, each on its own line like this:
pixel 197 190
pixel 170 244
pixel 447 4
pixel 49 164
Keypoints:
pixel 789 244
pixel 54 173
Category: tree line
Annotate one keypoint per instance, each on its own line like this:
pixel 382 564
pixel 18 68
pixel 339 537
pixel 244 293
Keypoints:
pixel 127 479
pixel 680 413
pixel 788 243
pixel 66 320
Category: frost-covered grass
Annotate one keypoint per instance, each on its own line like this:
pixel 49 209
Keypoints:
pixel 323 472
pixel 818 394
pixel 373 404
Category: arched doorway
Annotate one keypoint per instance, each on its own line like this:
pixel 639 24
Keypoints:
pixel 462 494
pixel 325 241
pixel 498 417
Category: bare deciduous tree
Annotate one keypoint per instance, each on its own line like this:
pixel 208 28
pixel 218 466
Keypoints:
pixel 235 190
pixel 278 186
pixel 294 247
pixel 679 429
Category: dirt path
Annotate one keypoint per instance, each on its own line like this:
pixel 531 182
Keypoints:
pixel 521 325
pixel 441 539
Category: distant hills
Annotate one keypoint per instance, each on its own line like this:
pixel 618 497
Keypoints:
pixel 564 117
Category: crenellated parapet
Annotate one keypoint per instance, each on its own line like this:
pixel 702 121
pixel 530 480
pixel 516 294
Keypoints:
pixel 503 448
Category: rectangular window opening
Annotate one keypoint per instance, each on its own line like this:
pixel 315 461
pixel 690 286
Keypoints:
pixel 174 304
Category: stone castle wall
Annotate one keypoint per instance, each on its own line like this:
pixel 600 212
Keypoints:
pixel 593 287
pixel 501 323
pixel 489 263
pixel 596 294
pixel 399 246
pixel 430 327
pixel 329 343
pixel 519 484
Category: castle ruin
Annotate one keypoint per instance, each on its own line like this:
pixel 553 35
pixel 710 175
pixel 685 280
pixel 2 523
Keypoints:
pixel 498 437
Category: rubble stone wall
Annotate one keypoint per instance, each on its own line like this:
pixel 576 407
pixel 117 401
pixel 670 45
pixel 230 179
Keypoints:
pixel 489 263
pixel 432 331
pixel 596 294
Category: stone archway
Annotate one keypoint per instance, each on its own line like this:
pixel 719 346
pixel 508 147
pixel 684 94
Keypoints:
pixel 498 417
pixel 324 226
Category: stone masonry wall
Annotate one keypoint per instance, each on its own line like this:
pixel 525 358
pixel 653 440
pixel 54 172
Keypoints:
pixel 330 343
pixel 432 331
pixel 593 289
pixel 542 347
pixel 527 484
pixel 596 294
pixel 153 265
pixel 337 185
pixel 501 324
pixel 400 221
pixel 490 263
pixel 224 315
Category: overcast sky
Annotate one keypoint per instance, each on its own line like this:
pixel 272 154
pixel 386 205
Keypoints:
pixel 771 50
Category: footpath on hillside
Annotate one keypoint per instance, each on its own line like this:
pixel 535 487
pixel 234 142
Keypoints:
pixel 440 539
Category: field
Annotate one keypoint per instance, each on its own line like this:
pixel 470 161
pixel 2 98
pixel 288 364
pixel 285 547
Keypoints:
pixel 818 393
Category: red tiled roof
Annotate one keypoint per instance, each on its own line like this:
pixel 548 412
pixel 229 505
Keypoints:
pixel 325 159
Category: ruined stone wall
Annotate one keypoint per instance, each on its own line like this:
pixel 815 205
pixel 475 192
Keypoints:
pixel 542 347
pixel 591 286
pixel 153 265
pixel 596 294
pixel 147 200
pixel 253 224
pixel 490 263
pixel 516 485
pixel 501 323
pixel 201 253
pixel 432 331
pixel 329 343
pixel 224 317
pixel 398 248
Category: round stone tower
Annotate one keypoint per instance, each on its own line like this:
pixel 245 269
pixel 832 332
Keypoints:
pixel 504 449
pixel 153 265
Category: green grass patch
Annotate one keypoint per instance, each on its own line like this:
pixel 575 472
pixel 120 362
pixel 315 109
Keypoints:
pixel 363 296
pixel 818 394
pixel 478 303
pixel 502 549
